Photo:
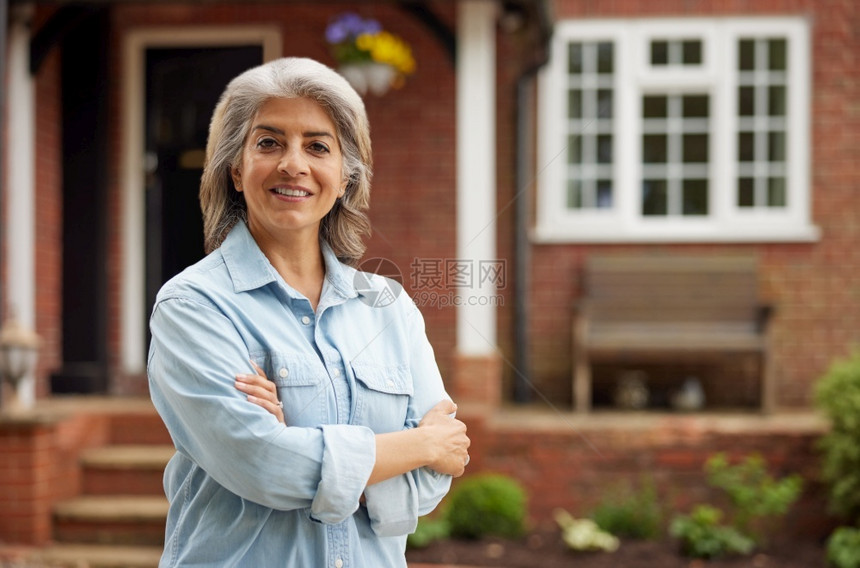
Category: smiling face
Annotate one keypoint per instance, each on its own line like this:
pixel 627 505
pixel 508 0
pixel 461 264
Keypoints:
pixel 291 171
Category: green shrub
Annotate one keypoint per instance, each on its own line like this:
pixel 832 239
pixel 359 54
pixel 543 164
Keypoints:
pixel 702 535
pixel 843 548
pixel 630 512
pixel 837 395
pixel 755 495
pixel 486 505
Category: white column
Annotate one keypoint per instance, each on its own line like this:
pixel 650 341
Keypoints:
pixel 20 219
pixel 476 171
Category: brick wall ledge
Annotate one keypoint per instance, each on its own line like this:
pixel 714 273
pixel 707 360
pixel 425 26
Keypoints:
pixel 52 410
pixel 29 418
pixel 533 418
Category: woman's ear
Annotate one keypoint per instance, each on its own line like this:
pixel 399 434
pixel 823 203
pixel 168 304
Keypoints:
pixel 237 178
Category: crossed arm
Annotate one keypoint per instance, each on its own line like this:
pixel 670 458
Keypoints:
pixel 439 442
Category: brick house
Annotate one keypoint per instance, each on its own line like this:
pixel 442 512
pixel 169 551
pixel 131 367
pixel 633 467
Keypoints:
pixel 532 135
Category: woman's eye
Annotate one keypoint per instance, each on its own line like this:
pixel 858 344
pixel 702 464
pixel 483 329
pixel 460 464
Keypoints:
pixel 265 143
pixel 319 147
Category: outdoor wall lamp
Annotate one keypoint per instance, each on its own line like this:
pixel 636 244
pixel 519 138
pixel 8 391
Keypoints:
pixel 18 350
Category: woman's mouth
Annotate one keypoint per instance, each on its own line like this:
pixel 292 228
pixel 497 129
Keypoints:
pixel 288 192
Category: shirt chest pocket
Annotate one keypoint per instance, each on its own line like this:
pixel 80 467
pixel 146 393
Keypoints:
pixel 301 387
pixel 382 396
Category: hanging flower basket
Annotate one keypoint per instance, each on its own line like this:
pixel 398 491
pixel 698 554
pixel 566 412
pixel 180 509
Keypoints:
pixel 370 58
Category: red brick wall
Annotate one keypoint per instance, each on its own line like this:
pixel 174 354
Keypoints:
pixel 813 286
pixel 24 494
pixel 40 467
pixel 576 465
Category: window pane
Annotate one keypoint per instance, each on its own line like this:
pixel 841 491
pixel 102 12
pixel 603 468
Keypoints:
pixel 589 110
pixel 654 149
pixel 777 55
pixel 605 64
pixel 574 149
pixel 776 100
pixel 776 146
pixel 767 103
pixel 746 101
pixel 604 194
pixel 654 107
pixel 695 106
pixel 659 52
pixel 692 52
pixel 574 103
pixel 604 149
pixel 604 103
pixel 654 197
pixel 776 192
pixel 695 200
pixel 746 146
pixel 746 192
pixel 746 55
pixel 574 58
pixel 574 194
pixel 695 148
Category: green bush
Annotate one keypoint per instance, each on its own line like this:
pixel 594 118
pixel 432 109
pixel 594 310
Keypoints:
pixel 630 512
pixel 486 505
pixel 755 495
pixel 702 534
pixel 837 395
pixel 843 548
pixel 755 498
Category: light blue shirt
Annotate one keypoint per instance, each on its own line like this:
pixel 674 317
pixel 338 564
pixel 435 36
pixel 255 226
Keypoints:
pixel 247 491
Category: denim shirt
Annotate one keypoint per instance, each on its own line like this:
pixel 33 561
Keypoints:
pixel 246 490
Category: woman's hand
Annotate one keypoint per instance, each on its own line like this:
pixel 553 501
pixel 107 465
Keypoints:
pixel 448 438
pixel 262 392
pixel 439 442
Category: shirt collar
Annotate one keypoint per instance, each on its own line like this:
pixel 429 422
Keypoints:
pixel 249 268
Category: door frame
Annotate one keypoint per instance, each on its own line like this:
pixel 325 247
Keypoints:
pixel 132 165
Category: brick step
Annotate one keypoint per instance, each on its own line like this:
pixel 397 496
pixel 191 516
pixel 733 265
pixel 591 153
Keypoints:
pixel 127 470
pixel 104 519
pixel 99 556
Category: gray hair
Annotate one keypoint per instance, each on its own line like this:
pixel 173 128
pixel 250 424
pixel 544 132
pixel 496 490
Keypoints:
pixel 290 77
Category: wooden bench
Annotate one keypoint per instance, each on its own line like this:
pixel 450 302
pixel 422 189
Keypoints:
pixel 646 308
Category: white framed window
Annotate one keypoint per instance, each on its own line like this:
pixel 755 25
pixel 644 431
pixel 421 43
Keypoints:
pixel 675 130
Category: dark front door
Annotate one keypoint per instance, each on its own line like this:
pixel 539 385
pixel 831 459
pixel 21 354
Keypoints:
pixel 182 88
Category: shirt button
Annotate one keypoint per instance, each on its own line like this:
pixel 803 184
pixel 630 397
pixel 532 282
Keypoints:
pixel 390 383
pixel 336 372
pixel 283 373
pixel 306 320
pixel 338 563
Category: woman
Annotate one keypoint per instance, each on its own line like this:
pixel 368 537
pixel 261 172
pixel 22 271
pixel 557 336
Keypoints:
pixel 335 458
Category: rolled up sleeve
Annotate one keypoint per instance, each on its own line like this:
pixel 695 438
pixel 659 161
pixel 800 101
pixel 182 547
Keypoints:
pixel 346 466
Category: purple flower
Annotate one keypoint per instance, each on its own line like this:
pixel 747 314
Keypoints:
pixel 350 25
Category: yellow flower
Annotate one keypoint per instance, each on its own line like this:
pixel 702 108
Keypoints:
pixel 385 47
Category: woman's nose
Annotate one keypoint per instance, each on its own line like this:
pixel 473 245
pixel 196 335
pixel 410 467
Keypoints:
pixel 293 163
